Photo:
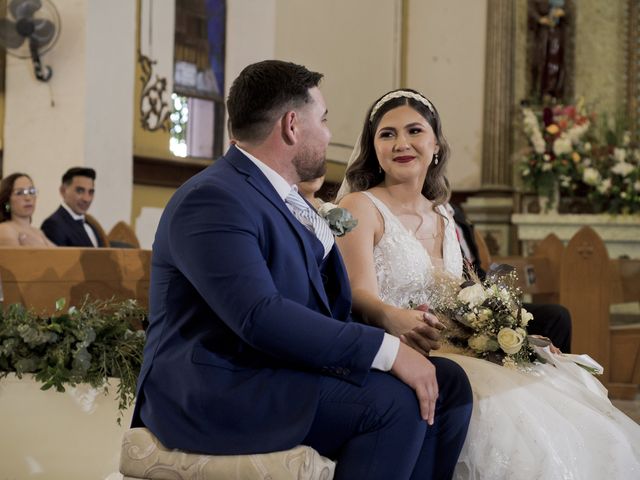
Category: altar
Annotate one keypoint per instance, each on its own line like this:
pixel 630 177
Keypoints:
pixel 620 233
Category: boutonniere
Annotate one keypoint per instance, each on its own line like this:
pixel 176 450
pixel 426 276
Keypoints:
pixel 339 219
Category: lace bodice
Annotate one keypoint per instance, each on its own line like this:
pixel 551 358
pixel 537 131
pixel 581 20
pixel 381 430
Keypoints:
pixel 403 267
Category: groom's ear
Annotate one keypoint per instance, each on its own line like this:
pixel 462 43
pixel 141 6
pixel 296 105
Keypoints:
pixel 289 127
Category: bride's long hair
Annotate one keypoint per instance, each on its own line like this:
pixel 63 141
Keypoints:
pixel 365 172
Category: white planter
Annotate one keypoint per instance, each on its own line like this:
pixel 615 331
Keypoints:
pixel 52 435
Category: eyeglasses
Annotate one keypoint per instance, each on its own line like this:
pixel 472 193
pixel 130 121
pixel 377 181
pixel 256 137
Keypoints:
pixel 26 191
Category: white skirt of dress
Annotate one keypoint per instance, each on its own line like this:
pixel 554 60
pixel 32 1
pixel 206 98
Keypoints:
pixel 550 422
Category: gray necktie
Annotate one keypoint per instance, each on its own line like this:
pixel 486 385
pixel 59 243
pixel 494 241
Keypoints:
pixel 310 219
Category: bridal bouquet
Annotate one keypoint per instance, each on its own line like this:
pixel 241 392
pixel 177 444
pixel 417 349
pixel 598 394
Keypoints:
pixel 485 318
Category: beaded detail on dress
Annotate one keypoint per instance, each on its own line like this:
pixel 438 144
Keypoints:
pixel 403 266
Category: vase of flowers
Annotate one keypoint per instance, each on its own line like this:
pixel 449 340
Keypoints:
pixel 559 148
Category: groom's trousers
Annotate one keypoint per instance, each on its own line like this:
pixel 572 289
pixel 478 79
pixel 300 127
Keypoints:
pixel 375 431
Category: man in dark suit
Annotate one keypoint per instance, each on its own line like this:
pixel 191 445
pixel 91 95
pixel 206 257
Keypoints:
pixel 550 320
pixel 67 226
pixel 250 345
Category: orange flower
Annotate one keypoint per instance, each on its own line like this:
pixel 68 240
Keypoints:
pixel 553 129
pixel 575 156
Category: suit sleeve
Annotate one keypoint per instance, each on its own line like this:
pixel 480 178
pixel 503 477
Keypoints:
pixel 52 230
pixel 215 243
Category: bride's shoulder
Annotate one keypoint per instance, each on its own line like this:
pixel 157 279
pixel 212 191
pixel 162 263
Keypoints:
pixel 360 206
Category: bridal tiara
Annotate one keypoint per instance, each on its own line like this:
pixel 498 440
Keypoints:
pixel 400 94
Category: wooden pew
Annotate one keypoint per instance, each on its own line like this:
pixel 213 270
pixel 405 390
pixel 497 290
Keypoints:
pixel 37 277
pixel 581 277
pixel 590 283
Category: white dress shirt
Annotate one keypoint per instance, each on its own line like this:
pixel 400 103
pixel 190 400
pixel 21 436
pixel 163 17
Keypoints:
pixel 87 228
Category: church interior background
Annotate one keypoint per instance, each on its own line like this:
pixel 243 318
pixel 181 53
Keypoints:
pixel 540 102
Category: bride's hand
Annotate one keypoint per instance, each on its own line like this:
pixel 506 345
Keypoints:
pixel 417 328
pixel 425 336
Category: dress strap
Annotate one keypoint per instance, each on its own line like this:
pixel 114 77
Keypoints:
pixel 387 214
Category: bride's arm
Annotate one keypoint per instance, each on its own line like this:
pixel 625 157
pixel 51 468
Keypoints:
pixel 357 251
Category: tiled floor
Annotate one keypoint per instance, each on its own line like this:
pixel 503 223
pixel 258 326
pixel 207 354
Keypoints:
pixel 630 407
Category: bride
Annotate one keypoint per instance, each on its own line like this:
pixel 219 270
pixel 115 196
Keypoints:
pixel 545 422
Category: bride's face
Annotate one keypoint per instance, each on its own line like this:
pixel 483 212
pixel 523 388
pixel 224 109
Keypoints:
pixel 404 143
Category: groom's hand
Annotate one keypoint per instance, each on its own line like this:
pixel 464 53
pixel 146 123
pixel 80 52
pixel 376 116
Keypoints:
pixel 420 374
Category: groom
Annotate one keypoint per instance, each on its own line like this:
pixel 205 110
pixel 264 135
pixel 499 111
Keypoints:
pixel 250 346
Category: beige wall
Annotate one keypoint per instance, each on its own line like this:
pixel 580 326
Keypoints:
pixel 355 44
pixel 446 54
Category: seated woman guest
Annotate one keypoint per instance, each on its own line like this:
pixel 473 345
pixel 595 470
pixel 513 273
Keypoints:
pixel 540 421
pixel 17 204
pixel 309 189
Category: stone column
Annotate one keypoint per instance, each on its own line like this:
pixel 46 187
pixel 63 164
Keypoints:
pixel 83 115
pixel 498 98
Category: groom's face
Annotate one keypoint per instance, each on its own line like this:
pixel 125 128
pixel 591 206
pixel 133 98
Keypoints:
pixel 310 160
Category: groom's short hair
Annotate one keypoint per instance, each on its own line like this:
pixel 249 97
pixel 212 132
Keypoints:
pixel 263 92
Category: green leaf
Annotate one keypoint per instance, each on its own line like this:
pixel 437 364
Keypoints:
pixel 60 304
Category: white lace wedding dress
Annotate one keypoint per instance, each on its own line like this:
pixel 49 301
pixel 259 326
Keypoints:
pixel 545 423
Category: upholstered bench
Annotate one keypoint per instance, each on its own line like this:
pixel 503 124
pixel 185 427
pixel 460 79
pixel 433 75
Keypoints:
pixel 143 457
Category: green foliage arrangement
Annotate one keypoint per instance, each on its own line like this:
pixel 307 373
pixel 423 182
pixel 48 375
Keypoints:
pixel 86 344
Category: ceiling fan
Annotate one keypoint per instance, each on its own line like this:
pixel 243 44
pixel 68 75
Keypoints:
pixel 30 29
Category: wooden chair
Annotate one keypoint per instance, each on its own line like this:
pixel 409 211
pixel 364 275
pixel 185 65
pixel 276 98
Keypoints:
pixel 483 250
pixel 123 235
pixel 589 284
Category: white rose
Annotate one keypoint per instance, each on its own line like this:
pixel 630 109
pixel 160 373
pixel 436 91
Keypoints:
pixel 562 145
pixel 622 168
pixel 636 186
pixel 510 341
pixel 467 319
pixel 482 343
pixel 547 167
pixel 473 295
pixel 326 208
pixel 626 138
pixel 619 154
pixel 591 176
pixel 484 315
pixel 525 317
pixel 605 186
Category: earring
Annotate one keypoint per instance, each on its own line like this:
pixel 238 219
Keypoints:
pixel 7 207
pixel 435 159
pixel 379 169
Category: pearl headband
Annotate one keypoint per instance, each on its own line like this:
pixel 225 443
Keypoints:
pixel 400 94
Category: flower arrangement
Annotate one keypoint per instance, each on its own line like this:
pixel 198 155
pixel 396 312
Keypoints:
pixel 87 344
pixel 614 177
pixel 339 219
pixel 485 319
pixel 559 148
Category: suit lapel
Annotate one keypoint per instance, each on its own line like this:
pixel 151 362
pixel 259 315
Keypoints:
pixel 258 181
pixel 82 239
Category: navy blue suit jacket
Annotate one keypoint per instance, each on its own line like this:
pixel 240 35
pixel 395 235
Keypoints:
pixel 64 231
pixel 242 329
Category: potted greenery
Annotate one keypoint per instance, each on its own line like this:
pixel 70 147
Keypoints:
pixel 86 344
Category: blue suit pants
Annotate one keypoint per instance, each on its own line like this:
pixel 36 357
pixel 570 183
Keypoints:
pixel 375 431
